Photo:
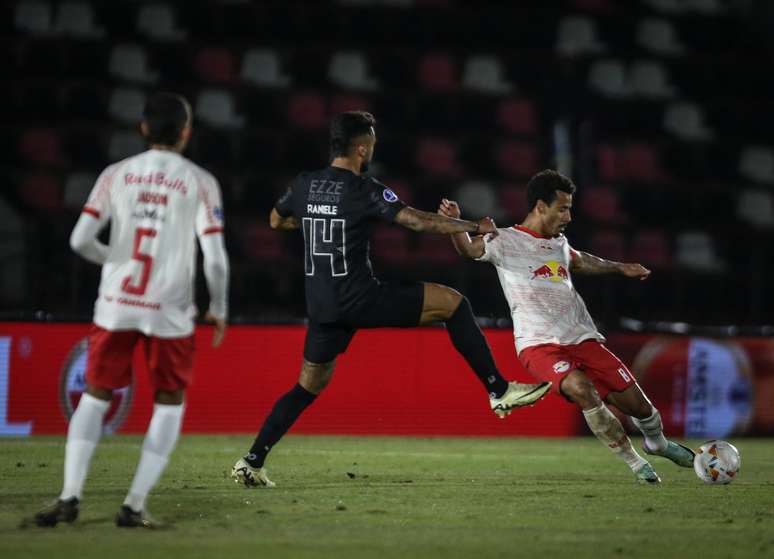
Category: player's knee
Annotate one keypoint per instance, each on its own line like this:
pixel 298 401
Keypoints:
pixel 99 393
pixel 316 376
pixel 441 302
pixel 169 398
pixel 453 300
pixel 580 390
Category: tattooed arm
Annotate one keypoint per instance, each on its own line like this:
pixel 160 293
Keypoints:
pixel 463 243
pixel 417 220
pixel 585 263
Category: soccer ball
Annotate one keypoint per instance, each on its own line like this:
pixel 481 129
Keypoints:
pixel 717 462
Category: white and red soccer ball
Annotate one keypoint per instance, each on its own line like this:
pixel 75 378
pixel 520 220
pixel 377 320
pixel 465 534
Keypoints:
pixel 717 462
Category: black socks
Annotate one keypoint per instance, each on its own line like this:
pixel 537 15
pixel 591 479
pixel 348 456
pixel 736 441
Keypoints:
pixel 472 345
pixel 284 413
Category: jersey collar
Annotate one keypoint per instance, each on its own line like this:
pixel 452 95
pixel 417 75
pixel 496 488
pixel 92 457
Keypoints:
pixel 529 231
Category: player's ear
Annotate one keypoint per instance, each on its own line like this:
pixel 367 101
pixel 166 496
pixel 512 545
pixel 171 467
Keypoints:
pixel 144 129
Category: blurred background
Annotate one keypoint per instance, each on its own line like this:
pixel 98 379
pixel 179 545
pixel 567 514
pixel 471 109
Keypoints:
pixel 660 111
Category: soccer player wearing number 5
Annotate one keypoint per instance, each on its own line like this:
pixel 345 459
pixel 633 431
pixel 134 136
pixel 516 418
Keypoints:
pixel 336 209
pixel 158 203
pixel 555 337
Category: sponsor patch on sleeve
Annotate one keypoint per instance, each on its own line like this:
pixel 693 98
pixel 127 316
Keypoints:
pixel 389 195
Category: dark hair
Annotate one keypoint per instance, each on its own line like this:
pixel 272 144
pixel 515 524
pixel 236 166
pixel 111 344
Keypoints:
pixel 166 114
pixel 345 127
pixel 543 186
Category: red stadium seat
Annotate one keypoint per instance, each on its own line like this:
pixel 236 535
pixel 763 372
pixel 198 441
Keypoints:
pixel 609 165
pixel 438 157
pixel 41 191
pixel 215 65
pixel 609 245
pixel 651 249
pixel 516 159
pixel 517 116
pixel 390 244
pixel 435 250
pixel 348 102
pixel 602 204
pixel 437 72
pixel 263 244
pixel 513 201
pixel 642 163
pixel 42 146
pixel 307 110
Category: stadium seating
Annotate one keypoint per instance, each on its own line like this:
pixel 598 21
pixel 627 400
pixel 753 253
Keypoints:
pixel 263 68
pixel 659 112
pixel 126 104
pixel 77 20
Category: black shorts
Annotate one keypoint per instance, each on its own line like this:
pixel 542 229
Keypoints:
pixel 391 305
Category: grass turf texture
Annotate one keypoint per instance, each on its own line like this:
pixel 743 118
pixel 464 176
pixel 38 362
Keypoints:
pixel 392 497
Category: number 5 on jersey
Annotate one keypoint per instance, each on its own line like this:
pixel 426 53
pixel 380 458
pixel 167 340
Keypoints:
pixel 145 259
pixel 325 245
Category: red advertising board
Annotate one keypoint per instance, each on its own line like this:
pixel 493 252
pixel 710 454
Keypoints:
pixel 390 382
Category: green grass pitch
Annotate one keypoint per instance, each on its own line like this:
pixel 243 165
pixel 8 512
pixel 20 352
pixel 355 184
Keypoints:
pixel 392 497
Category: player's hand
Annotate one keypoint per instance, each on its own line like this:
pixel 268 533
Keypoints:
pixel 486 226
pixel 220 329
pixel 635 271
pixel 449 208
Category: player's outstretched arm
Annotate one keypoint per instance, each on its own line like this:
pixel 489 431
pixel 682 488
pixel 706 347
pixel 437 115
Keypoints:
pixel 585 263
pixel 276 221
pixel 465 246
pixel 83 239
pixel 417 220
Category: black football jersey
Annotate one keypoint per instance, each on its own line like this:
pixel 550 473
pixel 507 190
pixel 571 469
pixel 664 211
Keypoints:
pixel 337 210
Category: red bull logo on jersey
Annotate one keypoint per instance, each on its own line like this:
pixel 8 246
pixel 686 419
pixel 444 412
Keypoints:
pixel 157 178
pixel 551 271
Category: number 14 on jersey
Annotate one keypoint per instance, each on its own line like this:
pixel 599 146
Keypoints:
pixel 325 246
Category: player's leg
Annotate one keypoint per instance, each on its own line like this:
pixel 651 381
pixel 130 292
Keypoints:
pixel 442 303
pixel 313 379
pixel 633 402
pixel 620 389
pixel 170 364
pixel 109 358
pixel 578 388
pixel 323 343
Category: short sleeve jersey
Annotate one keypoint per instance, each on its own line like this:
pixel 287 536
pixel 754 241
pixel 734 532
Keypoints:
pixel 534 273
pixel 157 203
pixel 337 210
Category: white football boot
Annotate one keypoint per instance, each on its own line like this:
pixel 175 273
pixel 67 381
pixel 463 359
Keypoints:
pixel 244 473
pixel 518 395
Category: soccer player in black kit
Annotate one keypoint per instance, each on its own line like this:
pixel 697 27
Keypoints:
pixel 336 209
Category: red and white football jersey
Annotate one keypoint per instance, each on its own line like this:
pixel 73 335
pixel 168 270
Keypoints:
pixel 534 273
pixel 157 202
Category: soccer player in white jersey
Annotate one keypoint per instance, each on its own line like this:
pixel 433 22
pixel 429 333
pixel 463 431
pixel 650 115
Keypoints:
pixel 158 203
pixel 556 339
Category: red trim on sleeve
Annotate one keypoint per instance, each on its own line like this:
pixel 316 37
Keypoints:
pixel 91 211
pixel 210 230
pixel 574 254
pixel 529 232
